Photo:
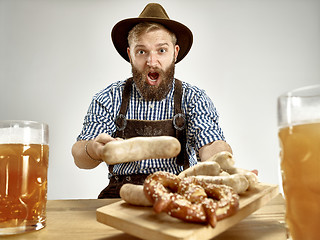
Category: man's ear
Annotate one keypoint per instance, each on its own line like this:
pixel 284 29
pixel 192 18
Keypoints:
pixel 128 52
pixel 176 52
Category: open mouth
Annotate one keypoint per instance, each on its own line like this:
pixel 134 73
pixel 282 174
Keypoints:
pixel 153 77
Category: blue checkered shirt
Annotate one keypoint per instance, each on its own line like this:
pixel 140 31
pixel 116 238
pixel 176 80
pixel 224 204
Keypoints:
pixel 202 122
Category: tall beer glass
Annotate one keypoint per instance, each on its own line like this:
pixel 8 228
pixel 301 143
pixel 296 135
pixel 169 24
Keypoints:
pixel 299 134
pixel 24 153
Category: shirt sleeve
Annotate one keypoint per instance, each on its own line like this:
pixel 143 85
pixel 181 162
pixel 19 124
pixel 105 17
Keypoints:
pixel 203 121
pixel 97 120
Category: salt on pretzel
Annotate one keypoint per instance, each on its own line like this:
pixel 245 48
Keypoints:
pixel 159 187
pixel 227 200
pixel 190 199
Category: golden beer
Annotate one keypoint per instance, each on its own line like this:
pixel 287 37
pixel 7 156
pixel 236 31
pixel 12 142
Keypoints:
pixel 23 185
pixel 300 165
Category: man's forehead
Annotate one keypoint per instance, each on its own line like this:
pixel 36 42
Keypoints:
pixel 141 45
pixel 157 37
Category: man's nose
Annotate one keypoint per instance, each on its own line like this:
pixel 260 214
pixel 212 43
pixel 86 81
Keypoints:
pixel 152 59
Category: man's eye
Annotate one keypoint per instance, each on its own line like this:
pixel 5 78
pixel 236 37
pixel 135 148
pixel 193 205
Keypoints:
pixel 163 50
pixel 141 52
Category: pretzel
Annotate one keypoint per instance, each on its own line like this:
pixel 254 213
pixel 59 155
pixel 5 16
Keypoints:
pixel 225 197
pixel 156 188
pixel 190 199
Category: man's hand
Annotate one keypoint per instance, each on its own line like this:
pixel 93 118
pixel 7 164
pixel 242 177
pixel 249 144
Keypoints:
pixel 211 149
pixel 95 146
pixel 92 157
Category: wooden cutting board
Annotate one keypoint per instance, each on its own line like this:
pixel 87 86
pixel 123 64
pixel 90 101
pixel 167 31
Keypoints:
pixel 144 223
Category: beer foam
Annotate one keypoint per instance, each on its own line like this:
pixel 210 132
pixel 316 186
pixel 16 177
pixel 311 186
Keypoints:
pixel 299 106
pixel 309 114
pixel 293 112
pixel 24 135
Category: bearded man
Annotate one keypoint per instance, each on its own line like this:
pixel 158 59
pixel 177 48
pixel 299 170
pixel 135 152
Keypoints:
pixel 150 103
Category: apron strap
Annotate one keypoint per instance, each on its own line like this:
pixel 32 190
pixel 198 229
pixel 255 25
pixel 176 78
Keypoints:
pixel 121 121
pixel 179 123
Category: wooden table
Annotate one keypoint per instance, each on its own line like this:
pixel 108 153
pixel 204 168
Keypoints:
pixel 76 219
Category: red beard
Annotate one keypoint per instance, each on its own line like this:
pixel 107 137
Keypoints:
pixel 149 92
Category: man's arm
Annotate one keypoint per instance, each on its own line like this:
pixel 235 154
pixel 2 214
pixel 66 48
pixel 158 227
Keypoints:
pixel 211 149
pixel 88 154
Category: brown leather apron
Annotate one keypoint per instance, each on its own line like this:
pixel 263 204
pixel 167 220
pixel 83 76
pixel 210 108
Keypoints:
pixel 127 128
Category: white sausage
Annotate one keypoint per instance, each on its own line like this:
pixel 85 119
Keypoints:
pixel 251 177
pixel 133 194
pixel 225 160
pixel 238 182
pixel 224 173
pixel 202 168
pixel 140 148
